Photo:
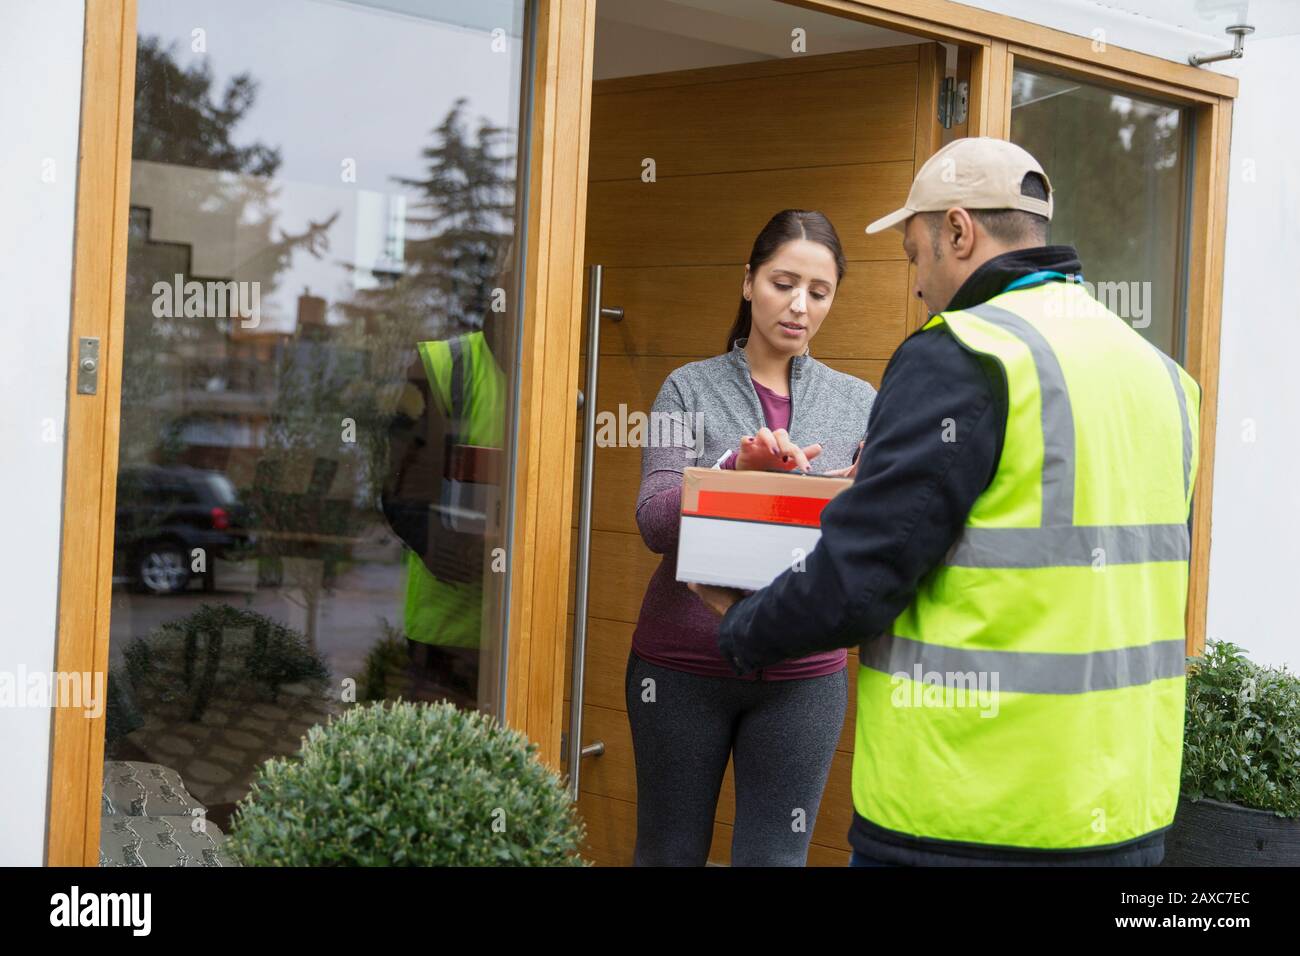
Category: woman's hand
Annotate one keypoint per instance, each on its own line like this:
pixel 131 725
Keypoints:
pixel 774 450
pixel 717 598
pixel 849 470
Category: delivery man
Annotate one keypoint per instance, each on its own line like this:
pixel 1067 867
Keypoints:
pixel 1012 556
pixel 440 498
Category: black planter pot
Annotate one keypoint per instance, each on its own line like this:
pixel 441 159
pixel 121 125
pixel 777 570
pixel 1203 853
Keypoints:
pixel 1210 833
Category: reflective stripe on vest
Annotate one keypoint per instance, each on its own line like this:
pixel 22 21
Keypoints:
pixel 1025 672
pixel 1032 693
pixel 1058 419
pixel 1068 544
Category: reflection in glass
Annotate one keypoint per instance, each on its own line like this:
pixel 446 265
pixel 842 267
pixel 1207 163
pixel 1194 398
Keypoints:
pixel 1118 165
pixel 318 377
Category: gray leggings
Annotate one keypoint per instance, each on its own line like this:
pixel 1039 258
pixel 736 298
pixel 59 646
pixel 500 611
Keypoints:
pixel 781 735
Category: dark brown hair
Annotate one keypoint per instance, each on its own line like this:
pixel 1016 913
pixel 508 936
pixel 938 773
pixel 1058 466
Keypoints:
pixel 786 226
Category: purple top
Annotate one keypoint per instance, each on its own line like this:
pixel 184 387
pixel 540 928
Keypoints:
pixel 675 628
pixel 776 410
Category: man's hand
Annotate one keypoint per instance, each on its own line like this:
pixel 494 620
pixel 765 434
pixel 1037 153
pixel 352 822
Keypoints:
pixel 848 471
pixel 720 599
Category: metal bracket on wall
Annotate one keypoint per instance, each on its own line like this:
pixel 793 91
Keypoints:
pixel 87 365
pixel 953 99
pixel 1238 32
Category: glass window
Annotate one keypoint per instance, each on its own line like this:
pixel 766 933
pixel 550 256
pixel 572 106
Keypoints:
pixel 321 322
pixel 1119 168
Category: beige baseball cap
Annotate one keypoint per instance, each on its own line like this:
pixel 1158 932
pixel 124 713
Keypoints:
pixel 977 172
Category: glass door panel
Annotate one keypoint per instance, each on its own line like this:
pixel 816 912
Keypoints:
pixel 1119 170
pixel 318 390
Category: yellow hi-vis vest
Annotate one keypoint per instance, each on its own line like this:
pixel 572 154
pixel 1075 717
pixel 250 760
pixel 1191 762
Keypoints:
pixel 439 612
pixel 1032 694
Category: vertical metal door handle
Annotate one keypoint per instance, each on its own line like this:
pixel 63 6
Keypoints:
pixel 588 404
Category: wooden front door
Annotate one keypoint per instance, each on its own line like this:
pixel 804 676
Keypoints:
pixel 729 146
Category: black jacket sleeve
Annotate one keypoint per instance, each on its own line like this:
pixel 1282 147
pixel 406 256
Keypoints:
pixel 415 461
pixel 932 447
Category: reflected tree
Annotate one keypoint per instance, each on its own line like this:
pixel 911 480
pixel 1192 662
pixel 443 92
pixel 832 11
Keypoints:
pixel 195 371
pixel 461 220
pixel 183 122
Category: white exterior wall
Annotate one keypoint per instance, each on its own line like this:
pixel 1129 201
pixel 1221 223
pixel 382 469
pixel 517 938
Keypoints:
pixel 40 105
pixel 1256 529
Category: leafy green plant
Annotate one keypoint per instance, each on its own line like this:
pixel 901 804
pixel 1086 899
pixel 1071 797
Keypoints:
pixel 219 649
pixel 1241 742
pixel 139 661
pixel 387 655
pixel 277 654
pixel 408 784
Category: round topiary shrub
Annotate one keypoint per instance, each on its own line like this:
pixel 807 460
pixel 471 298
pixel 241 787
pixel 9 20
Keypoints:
pixel 406 784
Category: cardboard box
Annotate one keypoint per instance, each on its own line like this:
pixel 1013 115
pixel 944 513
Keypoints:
pixel 471 490
pixel 741 529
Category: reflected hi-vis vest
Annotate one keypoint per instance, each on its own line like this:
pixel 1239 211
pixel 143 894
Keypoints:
pixel 440 612
pixel 1032 694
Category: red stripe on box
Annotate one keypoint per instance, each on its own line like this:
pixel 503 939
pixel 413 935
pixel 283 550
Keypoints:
pixel 779 509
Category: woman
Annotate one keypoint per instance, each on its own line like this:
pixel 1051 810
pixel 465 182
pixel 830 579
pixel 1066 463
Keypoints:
pixel 766 403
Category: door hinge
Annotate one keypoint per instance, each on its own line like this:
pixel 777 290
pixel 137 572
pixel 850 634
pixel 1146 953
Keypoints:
pixel 953 98
pixel 87 365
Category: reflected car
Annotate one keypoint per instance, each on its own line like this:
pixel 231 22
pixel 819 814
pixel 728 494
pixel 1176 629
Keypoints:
pixel 164 513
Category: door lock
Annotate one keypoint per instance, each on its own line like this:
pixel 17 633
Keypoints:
pixel 87 365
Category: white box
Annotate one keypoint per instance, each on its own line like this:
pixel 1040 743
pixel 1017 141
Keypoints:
pixel 741 529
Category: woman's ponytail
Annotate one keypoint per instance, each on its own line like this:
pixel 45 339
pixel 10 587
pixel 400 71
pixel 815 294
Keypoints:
pixel 740 328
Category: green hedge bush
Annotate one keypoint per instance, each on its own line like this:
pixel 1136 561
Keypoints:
pixel 215 652
pixel 1241 742
pixel 408 784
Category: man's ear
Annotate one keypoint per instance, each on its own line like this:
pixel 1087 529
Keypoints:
pixel 960 238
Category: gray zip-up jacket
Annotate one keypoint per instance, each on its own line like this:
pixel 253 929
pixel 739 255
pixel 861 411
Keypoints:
pixel 700 414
